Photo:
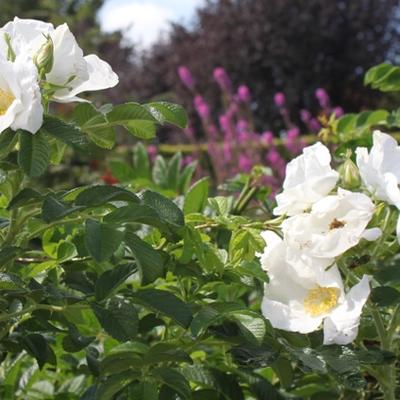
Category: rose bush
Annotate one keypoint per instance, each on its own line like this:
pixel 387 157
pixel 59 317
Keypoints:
pixel 157 288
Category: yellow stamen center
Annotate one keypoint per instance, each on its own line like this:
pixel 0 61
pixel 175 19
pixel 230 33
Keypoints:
pixel 321 300
pixel 6 99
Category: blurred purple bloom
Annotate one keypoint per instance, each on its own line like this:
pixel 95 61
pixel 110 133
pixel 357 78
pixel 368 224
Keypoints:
pixel 213 131
pixel 152 151
pixel 243 94
pixel 227 151
pixel 201 107
pixel 267 138
pixel 292 142
pixel 338 111
pixel 305 116
pixel 279 99
pixel 187 160
pixel 322 97
pixel 232 110
pixel 242 125
pixel 245 163
pixel 315 126
pixel 186 76
pixel 222 78
pixel 293 133
pixel 224 122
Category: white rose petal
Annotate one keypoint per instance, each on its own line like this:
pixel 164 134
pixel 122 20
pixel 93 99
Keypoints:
pixel 303 302
pixel 71 71
pixel 380 168
pixel 20 97
pixel 309 178
pixel 335 224
pixel 341 326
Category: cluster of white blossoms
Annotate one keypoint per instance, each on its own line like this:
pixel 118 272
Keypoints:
pixel 37 59
pixel 305 289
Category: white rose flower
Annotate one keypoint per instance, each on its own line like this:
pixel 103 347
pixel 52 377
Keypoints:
pixel 20 97
pixel 299 302
pixel 335 224
pixel 72 73
pixel 309 178
pixel 380 168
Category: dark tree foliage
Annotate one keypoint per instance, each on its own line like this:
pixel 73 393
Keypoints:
pixel 289 45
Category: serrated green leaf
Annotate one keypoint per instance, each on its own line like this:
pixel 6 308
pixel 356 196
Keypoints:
pixel 174 379
pixel 166 303
pixel 102 240
pixel 135 118
pixel 118 318
pixel 54 209
pixel 168 112
pixel 97 195
pixel 24 197
pixel 109 280
pixel 65 132
pixel 36 345
pixel 34 153
pixel 164 352
pixel 149 260
pixel 166 209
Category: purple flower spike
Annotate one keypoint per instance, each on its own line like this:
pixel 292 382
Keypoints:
pixel 338 111
pixel 280 99
pixel 305 116
pixel 243 94
pixel 322 97
pixel 222 78
pixel 245 163
pixel 293 133
pixel 267 138
pixel 186 76
pixel 201 107
pixel 315 126
pixel 242 125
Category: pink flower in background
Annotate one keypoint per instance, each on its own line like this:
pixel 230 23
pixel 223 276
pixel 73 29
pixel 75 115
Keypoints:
pixel 293 142
pixel 222 78
pixel 245 163
pixel 338 111
pixel 233 144
pixel 243 94
pixel 201 107
pixel 322 97
pixel 305 116
pixel 227 151
pixel 186 77
pixel 315 126
pixel 152 151
pixel 267 138
pixel 242 125
pixel 187 160
pixel 279 99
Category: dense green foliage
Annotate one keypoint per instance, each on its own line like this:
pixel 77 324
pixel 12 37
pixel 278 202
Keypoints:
pixel 126 294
